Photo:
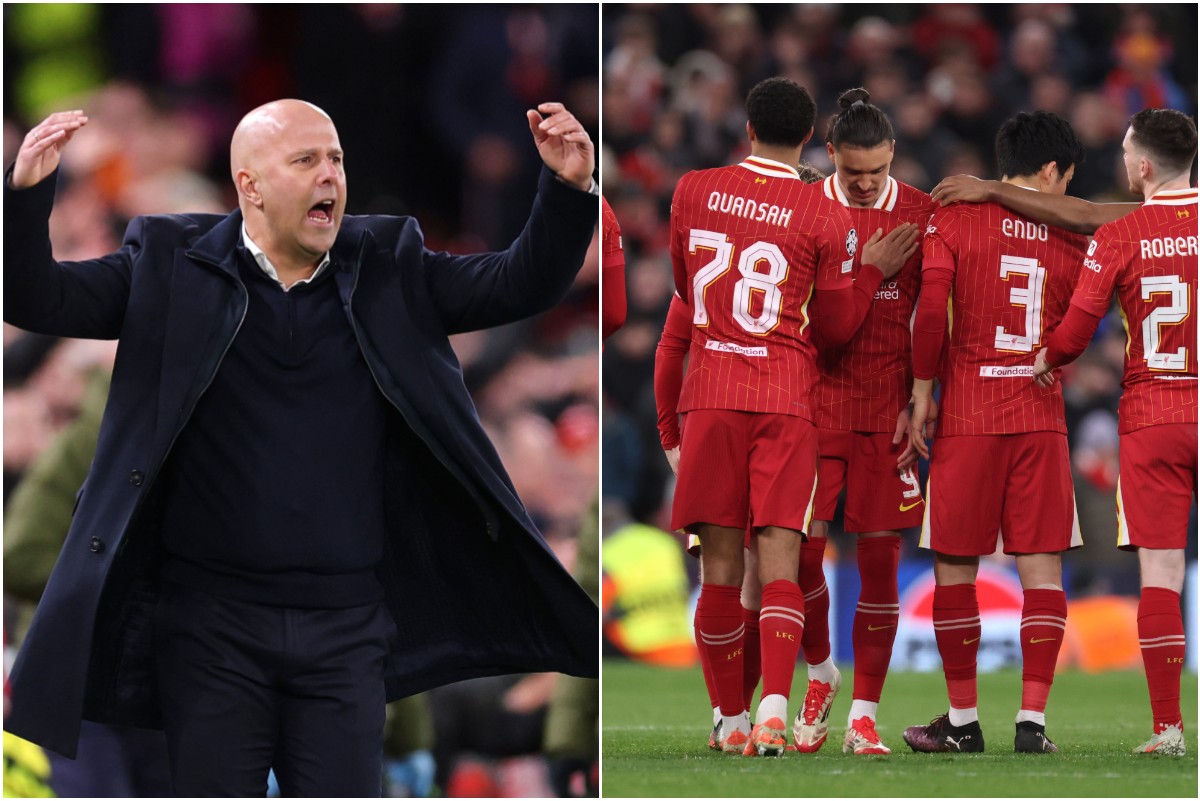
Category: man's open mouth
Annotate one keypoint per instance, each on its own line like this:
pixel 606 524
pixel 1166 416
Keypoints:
pixel 321 213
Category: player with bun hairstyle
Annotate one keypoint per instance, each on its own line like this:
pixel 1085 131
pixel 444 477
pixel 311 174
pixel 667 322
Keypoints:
pixel 765 264
pixel 862 417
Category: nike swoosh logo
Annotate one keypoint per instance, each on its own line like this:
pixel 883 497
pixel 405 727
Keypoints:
pixel 904 508
pixel 968 642
pixel 880 628
pixel 1032 641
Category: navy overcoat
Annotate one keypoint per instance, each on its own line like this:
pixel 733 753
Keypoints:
pixel 472 586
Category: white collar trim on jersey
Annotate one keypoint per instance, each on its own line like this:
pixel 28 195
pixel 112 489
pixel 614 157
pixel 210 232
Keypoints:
pixel 775 169
pixel 1173 197
pixel 886 201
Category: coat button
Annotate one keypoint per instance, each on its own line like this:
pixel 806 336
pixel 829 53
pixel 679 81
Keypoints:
pixel 97 545
pixel 136 478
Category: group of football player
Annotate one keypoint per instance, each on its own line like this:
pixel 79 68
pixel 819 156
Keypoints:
pixel 816 314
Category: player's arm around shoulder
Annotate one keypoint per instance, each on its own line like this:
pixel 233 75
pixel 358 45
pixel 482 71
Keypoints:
pixel 537 270
pixel 73 299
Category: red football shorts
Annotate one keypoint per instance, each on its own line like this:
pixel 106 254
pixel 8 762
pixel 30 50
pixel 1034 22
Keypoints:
pixel 878 496
pixel 740 469
pixel 1156 486
pixel 1018 484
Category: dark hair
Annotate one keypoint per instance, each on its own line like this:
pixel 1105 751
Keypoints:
pixel 1028 140
pixel 859 124
pixel 1169 136
pixel 810 174
pixel 781 112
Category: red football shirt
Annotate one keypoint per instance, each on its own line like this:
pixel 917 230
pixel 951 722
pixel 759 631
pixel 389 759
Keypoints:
pixel 1013 280
pixel 864 385
pixel 749 245
pixel 1149 259
pixel 612 271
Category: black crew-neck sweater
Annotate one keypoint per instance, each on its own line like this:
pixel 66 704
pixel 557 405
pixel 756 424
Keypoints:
pixel 273 492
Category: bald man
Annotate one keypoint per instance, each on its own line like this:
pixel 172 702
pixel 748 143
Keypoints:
pixel 294 513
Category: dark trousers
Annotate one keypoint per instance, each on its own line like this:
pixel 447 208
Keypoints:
pixel 112 762
pixel 247 687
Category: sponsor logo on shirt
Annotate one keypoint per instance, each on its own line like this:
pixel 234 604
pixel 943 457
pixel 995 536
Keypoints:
pixel 743 350
pixel 888 291
pixel 1018 371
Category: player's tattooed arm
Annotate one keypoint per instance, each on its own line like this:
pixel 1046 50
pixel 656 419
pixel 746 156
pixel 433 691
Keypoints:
pixel 1062 211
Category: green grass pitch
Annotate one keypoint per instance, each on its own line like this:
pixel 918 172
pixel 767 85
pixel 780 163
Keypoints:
pixel 656 724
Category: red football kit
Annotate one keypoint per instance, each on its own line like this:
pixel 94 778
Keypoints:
pixel 865 385
pixel 1148 259
pixel 612 272
pixel 752 246
pixel 1001 451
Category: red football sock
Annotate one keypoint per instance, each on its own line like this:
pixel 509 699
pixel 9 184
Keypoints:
pixel 877 615
pixel 710 683
pixel 720 629
pixel 1043 624
pixel 752 656
pixel 781 625
pixel 1160 633
pixel 956 627
pixel 816 601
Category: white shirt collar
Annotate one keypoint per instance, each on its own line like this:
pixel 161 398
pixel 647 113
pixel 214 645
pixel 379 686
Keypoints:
pixel 885 202
pixel 265 265
pixel 775 169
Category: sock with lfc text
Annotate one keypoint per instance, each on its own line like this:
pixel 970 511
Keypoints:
pixel 1160 634
pixel 720 631
pixel 781 625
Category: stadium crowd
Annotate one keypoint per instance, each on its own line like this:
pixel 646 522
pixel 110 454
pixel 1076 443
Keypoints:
pixel 427 132
pixel 674 82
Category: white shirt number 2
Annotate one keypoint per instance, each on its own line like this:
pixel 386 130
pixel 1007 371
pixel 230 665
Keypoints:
pixel 1173 313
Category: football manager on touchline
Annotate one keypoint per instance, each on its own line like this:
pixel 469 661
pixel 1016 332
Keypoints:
pixel 294 513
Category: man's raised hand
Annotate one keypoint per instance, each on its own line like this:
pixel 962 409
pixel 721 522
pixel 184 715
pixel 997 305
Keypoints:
pixel 42 147
pixel 563 144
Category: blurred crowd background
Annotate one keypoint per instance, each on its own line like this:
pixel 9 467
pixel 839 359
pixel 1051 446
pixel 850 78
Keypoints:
pixel 430 105
pixel 675 78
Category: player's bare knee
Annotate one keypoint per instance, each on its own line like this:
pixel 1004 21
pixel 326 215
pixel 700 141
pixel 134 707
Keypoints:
pixel 721 555
pixel 778 555
pixel 1040 571
pixel 1162 567
pixel 948 570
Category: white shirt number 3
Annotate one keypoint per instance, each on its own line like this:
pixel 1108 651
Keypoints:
pixel 1029 296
